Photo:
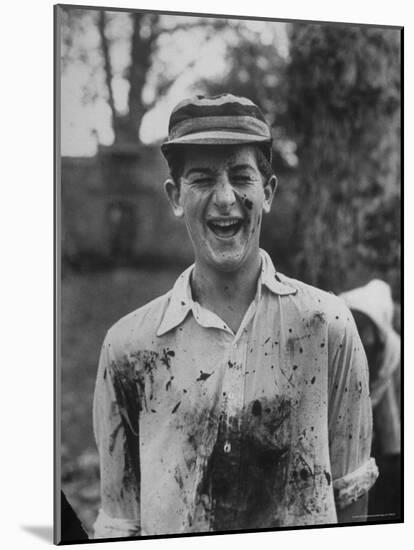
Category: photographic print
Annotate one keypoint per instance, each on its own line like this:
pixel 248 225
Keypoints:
pixel 228 274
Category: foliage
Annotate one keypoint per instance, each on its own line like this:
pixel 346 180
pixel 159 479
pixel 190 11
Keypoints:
pixel 256 68
pixel 332 96
pixel 344 113
pixel 122 55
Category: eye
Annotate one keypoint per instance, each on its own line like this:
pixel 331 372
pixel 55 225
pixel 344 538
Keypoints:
pixel 202 182
pixel 241 179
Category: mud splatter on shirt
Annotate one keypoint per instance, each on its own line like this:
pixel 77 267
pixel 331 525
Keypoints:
pixel 200 429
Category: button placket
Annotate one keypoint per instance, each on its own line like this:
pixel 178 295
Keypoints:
pixel 233 390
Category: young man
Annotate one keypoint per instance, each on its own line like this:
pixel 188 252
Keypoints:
pixel 238 400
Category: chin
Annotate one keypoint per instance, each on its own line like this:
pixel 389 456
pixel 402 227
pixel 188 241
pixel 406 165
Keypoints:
pixel 227 262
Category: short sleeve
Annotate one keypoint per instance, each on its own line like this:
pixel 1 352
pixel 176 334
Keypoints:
pixel 350 414
pixel 115 424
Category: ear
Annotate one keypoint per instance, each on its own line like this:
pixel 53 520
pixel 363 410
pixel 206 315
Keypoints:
pixel 173 191
pixel 269 192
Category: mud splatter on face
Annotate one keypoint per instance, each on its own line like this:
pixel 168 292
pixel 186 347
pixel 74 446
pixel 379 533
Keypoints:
pixel 248 203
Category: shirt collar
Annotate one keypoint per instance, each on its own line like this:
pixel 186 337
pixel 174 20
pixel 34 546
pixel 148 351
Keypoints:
pixel 181 301
pixel 273 280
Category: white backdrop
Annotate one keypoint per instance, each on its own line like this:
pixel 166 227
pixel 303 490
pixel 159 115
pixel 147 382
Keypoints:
pixel 27 284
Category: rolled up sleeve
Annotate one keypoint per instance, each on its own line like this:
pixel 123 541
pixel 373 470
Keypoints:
pixel 116 434
pixel 350 416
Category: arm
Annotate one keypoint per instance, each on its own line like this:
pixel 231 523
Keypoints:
pixel 350 423
pixel 115 423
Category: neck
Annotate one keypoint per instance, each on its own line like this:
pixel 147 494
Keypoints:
pixel 228 294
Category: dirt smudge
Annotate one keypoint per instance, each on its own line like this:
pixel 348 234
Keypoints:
pixel 204 376
pixel 257 408
pixel 166 357
pixel 248 203
pixel 129 391
pixel 176 407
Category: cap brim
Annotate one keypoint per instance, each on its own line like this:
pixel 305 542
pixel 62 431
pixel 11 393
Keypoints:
pixel 215 138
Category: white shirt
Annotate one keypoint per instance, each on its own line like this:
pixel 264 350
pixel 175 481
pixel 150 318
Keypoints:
pixel 200 429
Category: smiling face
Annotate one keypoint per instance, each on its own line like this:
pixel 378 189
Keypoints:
pixel 222 195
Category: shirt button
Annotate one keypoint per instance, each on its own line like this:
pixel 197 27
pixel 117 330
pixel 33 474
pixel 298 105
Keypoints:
pixel 227 447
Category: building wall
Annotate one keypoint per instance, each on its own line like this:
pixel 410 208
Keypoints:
pixel 114 204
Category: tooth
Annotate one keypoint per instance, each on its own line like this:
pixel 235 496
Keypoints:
pixel 225 223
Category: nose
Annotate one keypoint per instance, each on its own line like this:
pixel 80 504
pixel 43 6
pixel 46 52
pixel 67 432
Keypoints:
pixel 224 196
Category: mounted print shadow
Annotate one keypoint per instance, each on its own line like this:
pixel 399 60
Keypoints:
pixel 228 274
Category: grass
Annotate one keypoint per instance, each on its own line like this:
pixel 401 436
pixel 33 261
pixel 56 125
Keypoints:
pixel 91 303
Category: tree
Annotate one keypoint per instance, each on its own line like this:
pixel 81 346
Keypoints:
pixel 94 37
pixel 344 108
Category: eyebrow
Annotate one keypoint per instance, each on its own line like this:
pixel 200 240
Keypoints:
pixel 241 167
pixel 211 172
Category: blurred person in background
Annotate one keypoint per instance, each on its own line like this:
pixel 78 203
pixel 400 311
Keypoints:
pixel 373 310
pixel 239 399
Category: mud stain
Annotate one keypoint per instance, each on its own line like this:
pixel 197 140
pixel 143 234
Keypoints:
pixel 257 408
pixel 204 376
pixel 295 342
pixel 129 389
pixel 176 407
pixel 315 320
pixel 288 378
pixel 242 465
pixel 243 482
pixel 168 384
pixel 248 203
pixel 146 364
pixel 112 438
pixel 166 357
pixel 301 470
pixel 234 365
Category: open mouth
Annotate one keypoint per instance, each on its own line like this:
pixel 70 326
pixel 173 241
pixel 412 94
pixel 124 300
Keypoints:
pixel 225 228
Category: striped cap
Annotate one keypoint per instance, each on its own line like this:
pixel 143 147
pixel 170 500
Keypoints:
pixel 225 119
